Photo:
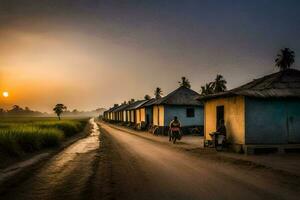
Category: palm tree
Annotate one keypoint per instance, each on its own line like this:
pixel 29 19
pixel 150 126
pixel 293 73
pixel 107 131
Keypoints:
pixel 158 93
pixel 285 59
pixel 207 89
pixel 185 82
pixel 219 85
pixel 59 109
pixel 147 97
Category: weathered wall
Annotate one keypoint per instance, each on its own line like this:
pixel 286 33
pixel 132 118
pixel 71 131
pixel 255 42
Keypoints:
pixel 272 121
pixel 234 116
pixel 158 115
pixel 180 112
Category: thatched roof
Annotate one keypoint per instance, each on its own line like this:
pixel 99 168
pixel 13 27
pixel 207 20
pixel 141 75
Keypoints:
pixel 281 84
pixel 136 104
pixel 180 96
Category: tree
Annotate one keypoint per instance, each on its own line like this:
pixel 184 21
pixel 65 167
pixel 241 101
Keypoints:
pixel 131 101
pixel 207 89
pixel 285 59
pixel 184 82
pixel 59 109
pixel 158 93
pixel 219 85
pixel 147 97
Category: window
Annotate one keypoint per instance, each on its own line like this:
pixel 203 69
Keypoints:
pixel 190 112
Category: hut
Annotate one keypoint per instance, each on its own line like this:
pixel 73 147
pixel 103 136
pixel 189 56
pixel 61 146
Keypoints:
pixel 119 113
pixel 261 115
pixel 105 115
pixel 112 114
pixel 147 110
pixel 133 113
pixel 182 103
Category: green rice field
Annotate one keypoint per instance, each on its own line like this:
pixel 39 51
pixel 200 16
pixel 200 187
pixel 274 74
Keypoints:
pixel 23 135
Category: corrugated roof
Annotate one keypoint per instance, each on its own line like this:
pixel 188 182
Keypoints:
pixel 136 104
pixel 113 108
pixel 121 108
pixel 281 84
pixel 180 96
pixel 149 103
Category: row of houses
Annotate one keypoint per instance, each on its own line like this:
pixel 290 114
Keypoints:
pixel 264 112
pixel 159 112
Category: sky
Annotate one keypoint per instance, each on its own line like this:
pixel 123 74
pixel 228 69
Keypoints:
pixel 94 53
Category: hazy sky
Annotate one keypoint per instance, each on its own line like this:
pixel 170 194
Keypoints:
pixel 92 53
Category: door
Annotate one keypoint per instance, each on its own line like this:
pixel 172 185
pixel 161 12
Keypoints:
pixel 293 121
pixel 219 115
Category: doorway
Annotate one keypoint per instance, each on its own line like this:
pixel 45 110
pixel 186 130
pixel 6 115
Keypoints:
pixel 219 115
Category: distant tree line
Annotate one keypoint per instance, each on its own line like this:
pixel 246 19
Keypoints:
pixel 17 110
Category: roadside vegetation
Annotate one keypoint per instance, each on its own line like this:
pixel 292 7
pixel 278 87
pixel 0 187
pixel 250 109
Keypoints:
pixel 23 135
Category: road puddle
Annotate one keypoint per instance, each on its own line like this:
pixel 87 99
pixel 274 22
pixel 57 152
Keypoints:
pixel 85 145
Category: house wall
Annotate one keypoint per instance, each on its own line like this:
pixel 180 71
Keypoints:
pixel 272 121
pixel 143 114
pixel 132 116
pixel 158 115
pixel 124 116
pixel 180 112
pixel 149 112
pixel 140 115
pixel 137 116
pixel 234 116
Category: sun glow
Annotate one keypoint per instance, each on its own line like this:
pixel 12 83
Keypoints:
pixel 5 94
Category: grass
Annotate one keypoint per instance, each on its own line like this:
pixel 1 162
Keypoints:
pixel 26 135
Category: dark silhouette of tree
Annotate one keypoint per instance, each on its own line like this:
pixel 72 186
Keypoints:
pixel 219 85
pixel 158 93
pixel 59 109
pixel 147 97
pixel 185 82
pixel 115 105
pixel 2 111
pixel 16 109
pixel 285 59
pixel 131 101
pixel 207 89
pixel 75 111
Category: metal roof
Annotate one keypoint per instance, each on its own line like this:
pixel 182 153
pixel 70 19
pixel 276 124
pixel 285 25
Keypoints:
pixel 281 84
pixel 180 96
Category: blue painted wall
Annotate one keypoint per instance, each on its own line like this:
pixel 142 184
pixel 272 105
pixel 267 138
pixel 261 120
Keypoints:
pixel 272 121
pixel 180 112
pixel 149 111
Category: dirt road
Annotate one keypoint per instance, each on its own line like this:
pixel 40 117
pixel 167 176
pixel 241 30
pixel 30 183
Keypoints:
pixel 120 165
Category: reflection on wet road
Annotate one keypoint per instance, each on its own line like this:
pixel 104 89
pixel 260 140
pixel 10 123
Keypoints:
pixel 65 175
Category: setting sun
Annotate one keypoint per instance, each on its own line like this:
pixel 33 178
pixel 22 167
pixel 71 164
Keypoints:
pixel 5 94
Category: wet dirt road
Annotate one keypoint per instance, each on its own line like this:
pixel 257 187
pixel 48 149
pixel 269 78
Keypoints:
pixel 124 166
